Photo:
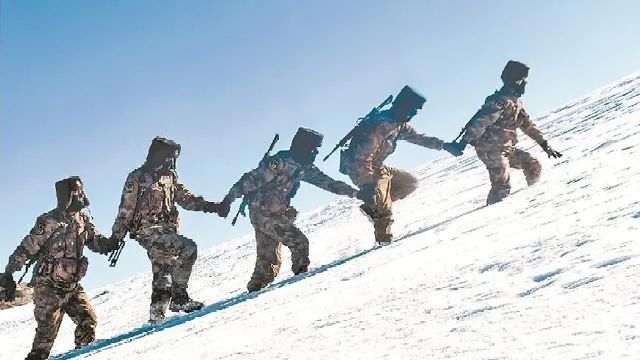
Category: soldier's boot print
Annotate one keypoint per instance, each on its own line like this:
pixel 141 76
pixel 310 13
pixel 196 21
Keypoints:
pixel 180 301
pixel 268 260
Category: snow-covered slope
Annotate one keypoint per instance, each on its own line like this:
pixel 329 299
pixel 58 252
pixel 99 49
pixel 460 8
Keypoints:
pixel 551 272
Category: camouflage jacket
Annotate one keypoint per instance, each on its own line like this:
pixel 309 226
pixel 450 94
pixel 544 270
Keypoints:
pixel 58 240
pixel 149 199
pixel 374 142
pixel 494 126
pixel 273 184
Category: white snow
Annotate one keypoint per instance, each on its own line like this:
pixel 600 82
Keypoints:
pixel 552 272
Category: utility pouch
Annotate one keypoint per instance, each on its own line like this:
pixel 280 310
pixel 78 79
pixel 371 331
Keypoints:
pixel 69 270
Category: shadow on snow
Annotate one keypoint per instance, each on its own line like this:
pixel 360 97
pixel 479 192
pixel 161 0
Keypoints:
pixel 105 344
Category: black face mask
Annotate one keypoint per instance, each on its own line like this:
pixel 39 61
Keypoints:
pixel 519 86
pixel 78 202
pixel 166 166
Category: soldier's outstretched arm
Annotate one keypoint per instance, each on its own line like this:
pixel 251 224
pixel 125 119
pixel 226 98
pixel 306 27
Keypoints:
pixel 409 134
pixel 127 208
pixel 256 178
pixel 97 242
pixel 31 244
pixel 529 128
pixel 488 114
pixel 187 200
pixel 316 177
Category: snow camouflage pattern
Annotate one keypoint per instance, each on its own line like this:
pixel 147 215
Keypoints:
pixel 492 131
pixel 271 186
pixel 148 212
pixel 58 239
pixel 363 163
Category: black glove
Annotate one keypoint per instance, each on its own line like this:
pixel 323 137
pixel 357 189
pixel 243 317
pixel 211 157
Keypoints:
pixel 455 148
pixel 211 207
pixel 366 193
pixel 9 285
pixel 550 152
pixel 112 244
pixel 225 207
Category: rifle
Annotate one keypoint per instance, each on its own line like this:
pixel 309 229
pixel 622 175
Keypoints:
pixel 26 269
pixel 115 254
pixel 372 113
pixel 247 198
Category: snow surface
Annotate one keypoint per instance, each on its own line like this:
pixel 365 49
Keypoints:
pixel 552 272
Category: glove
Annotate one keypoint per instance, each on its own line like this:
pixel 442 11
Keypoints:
pixel 550 152
pixel 112 244
pixel 9 285
pixel 366 193
pixel 455 148
pixel 225 207
pixel 211 207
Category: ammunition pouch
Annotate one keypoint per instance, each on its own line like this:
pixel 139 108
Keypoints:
pixel 66 270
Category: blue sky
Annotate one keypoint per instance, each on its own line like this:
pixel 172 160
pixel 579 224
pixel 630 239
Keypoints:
pixel 86 85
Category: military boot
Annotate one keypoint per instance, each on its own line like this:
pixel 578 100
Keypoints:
pixel 159 302
pixel 180 301
pixel 37 355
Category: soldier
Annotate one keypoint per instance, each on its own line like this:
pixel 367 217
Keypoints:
pixel 270 188
pixel 57 242
pixel 372 141
pixel 148 212
pixel 492 131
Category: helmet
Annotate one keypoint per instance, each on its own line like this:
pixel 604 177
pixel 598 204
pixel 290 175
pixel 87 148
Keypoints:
pixel 161 149
pixel 408 97
pixel 304 146
pixel 514 71
pixel 306 138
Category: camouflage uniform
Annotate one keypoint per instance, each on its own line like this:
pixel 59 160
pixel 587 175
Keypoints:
pixel 492 131
pixel 363 163
pixel 148 212
pixel 271 187
pixel 58 239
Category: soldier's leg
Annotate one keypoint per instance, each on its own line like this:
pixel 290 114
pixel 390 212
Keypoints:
pixel 403 183
pixel 81 312
pixel 531 167
pixel 160 291
pixel 298 244
pixel 268 260
pixel 382 204
pixel 48 313
pixel 497 164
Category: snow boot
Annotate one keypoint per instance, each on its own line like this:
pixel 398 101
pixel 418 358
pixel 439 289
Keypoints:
pixel 182 302
pixel 159 303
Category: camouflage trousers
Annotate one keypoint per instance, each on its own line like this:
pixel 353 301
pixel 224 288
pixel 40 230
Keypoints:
pixel 272 230
pixel 172 257
pixel 499 163
pixel 51 303
pixel 390 185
